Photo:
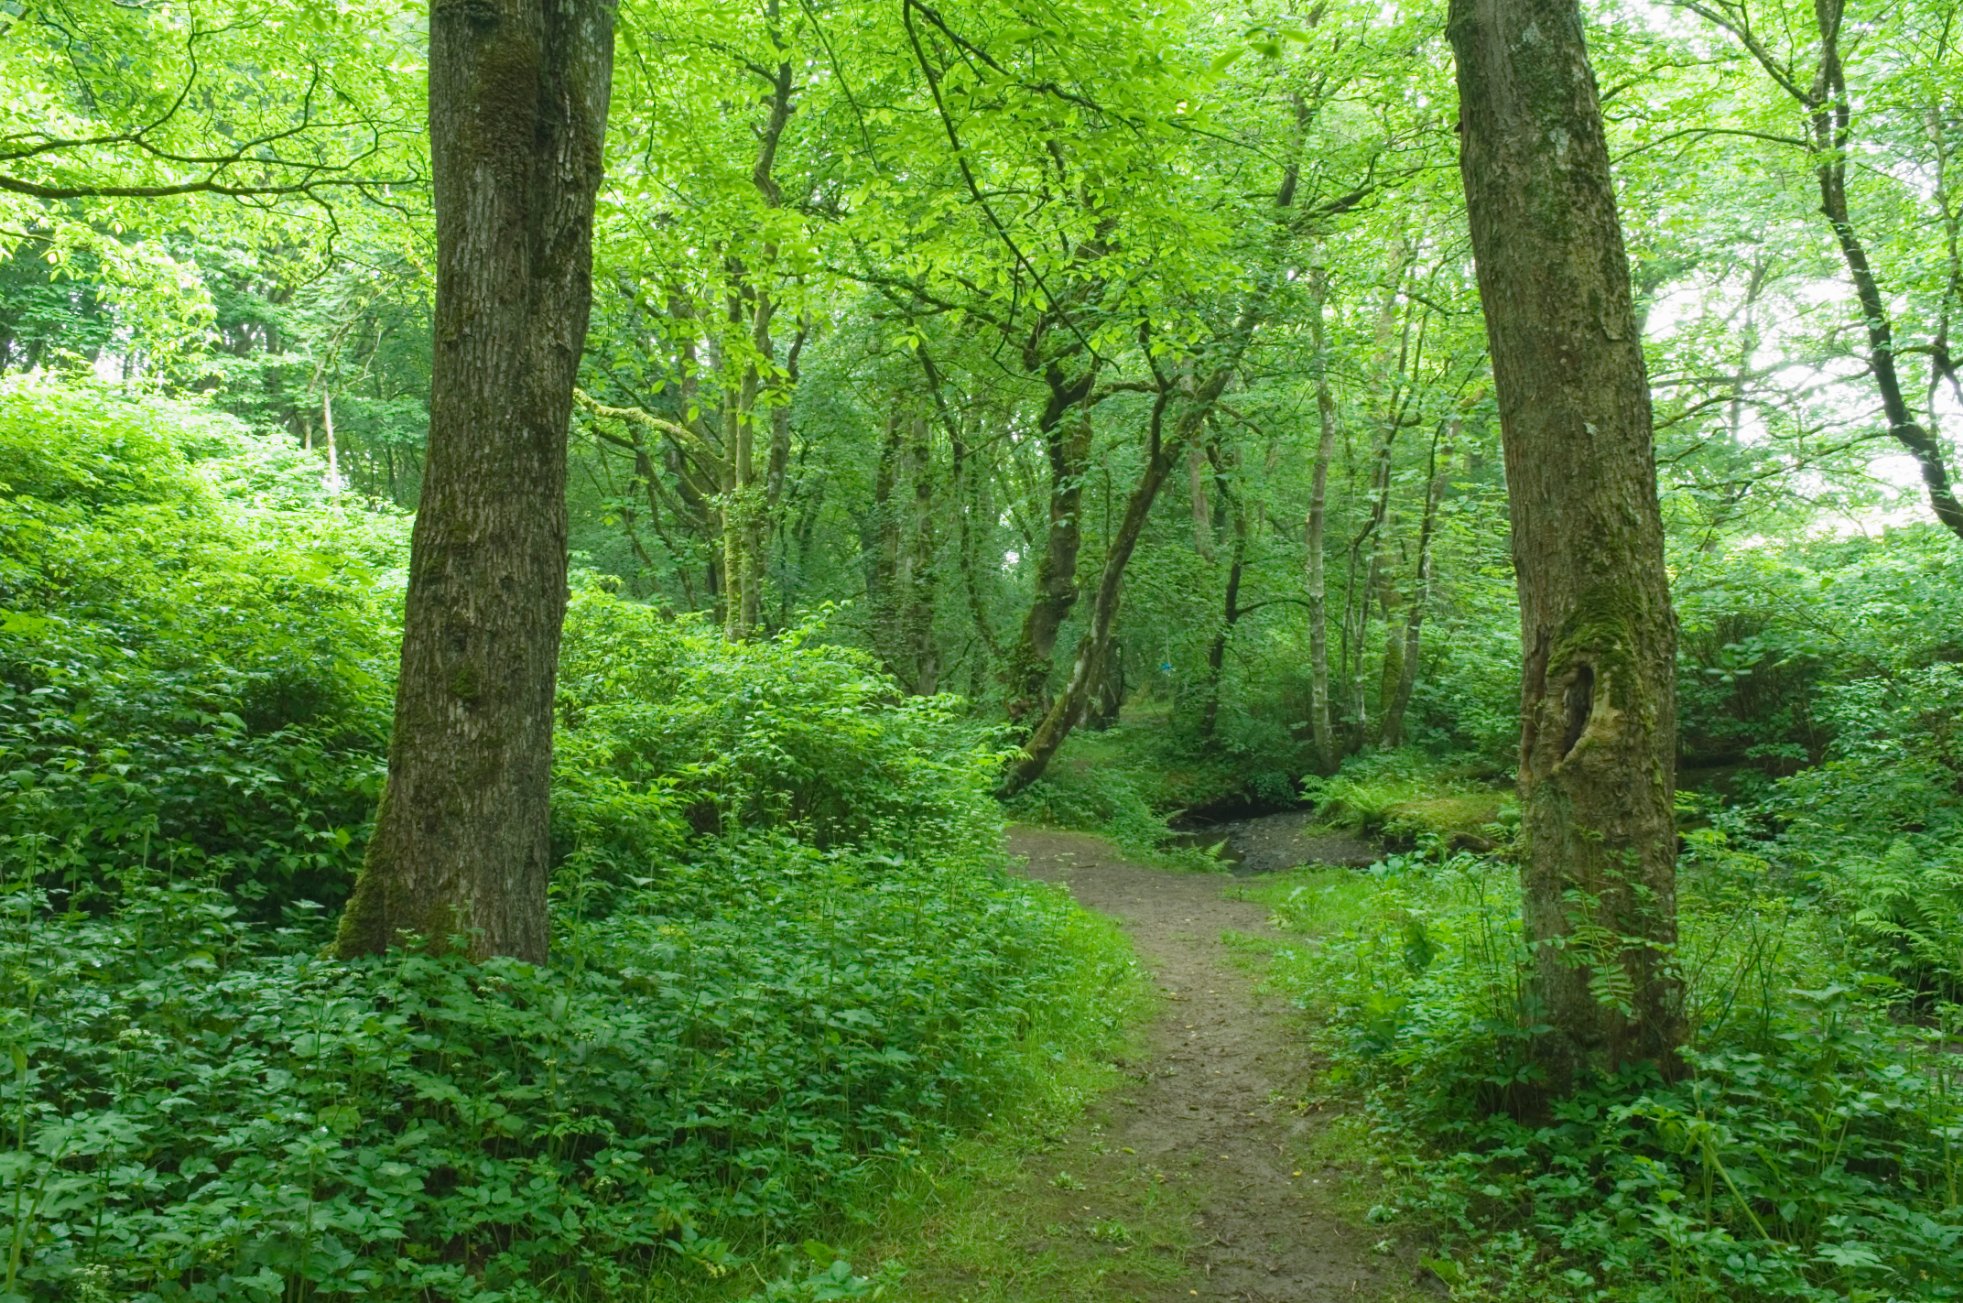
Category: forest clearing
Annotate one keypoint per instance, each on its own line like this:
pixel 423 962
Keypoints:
pixel 999 651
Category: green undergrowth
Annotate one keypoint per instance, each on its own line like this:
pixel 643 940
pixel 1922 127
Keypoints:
pixel 204 1109
pixel 1002 1220
pixel 1127 783
pixel 1814 1152
pixel 1407 799
pixel 791 969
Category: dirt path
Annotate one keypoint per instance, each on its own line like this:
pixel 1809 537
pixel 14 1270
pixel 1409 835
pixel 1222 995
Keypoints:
pixel 1211 1119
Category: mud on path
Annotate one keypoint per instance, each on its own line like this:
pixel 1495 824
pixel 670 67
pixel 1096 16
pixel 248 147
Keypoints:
pixel 1210 1120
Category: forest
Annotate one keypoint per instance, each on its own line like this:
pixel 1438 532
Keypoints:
pixel 988 651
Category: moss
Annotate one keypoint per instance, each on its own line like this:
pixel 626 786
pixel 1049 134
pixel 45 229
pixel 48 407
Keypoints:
pixel 1464 819
pixel 464 684
pixel 1604 630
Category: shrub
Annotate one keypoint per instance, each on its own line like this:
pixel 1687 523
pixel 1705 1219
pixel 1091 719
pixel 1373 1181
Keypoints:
pixel 1810 1154
pixel 208 1110
pixel 195 651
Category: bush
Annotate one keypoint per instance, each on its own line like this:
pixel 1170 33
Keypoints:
pixel 1411 799
pixel 1810 1154
pixel 1876 832
pixel 208 1110
pixel 196 651
pixel 785 733
pixel 788 961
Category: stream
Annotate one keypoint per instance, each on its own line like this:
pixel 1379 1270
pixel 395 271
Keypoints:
pixel 1271 843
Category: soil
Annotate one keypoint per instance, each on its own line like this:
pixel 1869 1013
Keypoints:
pixel 1214 1115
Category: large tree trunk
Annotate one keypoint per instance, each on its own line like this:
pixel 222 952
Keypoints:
pixel 518 108
pixel 1598 708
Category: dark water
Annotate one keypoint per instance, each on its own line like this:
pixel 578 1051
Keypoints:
pixel 1271 843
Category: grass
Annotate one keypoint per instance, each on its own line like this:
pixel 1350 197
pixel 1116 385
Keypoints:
pixel 1055 1217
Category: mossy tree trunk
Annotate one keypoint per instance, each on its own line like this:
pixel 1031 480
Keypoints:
pixel 518 94
pixel 1598 708
pixel 1065 430
pixel 1230 602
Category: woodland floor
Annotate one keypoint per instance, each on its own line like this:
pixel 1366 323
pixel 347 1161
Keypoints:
pixel 1205 1173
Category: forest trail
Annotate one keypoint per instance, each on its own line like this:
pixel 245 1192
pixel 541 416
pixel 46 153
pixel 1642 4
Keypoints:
pixel 1200 1176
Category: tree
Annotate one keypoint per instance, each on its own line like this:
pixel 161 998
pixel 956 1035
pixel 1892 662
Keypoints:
pixel 1598 709
pixel 1809 67
pixel 518 108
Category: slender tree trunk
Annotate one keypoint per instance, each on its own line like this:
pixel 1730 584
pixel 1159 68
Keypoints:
pixel 1321 727
pixel 1598 707
pixel 1230 614
pixel 739 498
pixel 882 574
pixel 901 581
pixel 1361 580
pixel 922 578
pixel 964 488
pixel 1199 489
pixel 1831 119
pixel 1107 701
pixel 332 482
pixel 1093 648
pixel 1392 731
pixel 518 110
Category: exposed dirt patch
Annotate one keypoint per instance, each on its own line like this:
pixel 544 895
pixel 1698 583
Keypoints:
pixel 1213 1116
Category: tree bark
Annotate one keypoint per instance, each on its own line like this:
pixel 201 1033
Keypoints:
pixel 1598 708
pixel 1322 728
pixel 1361 582
pixel 1066 434
pixel 1392 727
pixel 518 94
pixel 1230 603
pixel 1162 454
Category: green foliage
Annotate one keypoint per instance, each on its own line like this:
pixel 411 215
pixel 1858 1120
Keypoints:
pixel 1876 832
pixel 1411 799
pixel 1809 1154
pixel 195 650
pixel 786 733
pixel 1125 783
pixel 789 965
pixel 209 1110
